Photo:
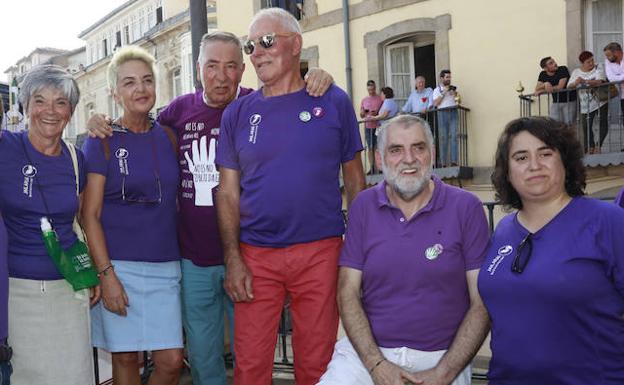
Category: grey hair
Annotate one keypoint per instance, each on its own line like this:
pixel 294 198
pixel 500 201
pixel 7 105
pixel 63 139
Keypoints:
pixel 420 77
pixel 125 54
pixel 406 121
pixel 49 76
pixel 287 20
pixel 219 36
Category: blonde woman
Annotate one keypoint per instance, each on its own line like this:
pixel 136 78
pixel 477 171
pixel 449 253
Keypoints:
pixel 129 215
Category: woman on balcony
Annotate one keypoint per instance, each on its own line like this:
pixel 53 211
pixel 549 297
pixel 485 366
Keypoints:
pixel 130 219
pixel 589 75
pixel 553 280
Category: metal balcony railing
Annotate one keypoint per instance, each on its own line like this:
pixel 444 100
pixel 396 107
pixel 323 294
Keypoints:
pixel 446 165
pixel 595 113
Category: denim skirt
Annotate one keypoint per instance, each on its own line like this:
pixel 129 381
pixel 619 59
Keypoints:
pixel 154 319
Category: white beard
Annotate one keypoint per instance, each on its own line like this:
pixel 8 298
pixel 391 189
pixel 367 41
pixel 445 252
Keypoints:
pixel 406 187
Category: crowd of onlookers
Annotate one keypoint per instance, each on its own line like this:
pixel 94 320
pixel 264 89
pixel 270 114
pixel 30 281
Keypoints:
pixel 438 106
pixel 586 89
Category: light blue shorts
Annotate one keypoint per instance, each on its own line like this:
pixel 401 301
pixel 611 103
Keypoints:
pixel 154 320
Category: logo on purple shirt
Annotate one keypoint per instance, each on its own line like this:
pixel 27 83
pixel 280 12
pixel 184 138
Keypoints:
pixel 29 171
pixel 318 112
pixel 502 253
pixel 254 120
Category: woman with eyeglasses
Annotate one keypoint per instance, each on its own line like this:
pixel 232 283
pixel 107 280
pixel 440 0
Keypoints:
pixel 129 216
pixel 553 281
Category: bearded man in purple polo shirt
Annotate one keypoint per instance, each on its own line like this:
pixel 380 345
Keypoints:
pixel 407 288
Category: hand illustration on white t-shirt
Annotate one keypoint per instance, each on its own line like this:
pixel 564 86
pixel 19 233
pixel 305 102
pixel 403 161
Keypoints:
pixel 202 166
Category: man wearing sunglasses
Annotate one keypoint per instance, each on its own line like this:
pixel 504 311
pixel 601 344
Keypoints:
pixel 196 119
pixel 279 204
pixel 407 289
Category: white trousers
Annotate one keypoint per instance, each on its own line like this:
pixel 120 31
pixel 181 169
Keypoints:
pixel 346 368
pixel 49 330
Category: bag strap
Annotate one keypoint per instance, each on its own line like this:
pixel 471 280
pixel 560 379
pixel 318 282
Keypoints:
pixel 172 138
pixel 74 158
pixel 106 147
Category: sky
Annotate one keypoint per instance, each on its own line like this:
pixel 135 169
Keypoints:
pixel 29 24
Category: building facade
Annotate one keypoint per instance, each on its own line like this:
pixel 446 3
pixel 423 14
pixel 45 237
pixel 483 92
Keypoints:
pixel 160 26
pixel 490 46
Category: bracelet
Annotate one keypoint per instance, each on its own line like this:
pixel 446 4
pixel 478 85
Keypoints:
pixel 371 370
pixel 105 270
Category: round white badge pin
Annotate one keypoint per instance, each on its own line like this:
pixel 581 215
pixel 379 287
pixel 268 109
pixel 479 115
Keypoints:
pixel 305 116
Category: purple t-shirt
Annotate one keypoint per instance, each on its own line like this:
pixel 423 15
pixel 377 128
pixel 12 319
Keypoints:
pixel 560 320
pixel 22 205
pixel 193 120
pixel 289 150
pixel 4 282
pixel 414 289
pixel 141 227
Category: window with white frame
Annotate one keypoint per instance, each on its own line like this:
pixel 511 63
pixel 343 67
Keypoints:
pixel 141 22
pixel 399 63
pixel 603 25
pixel 135 29
pixel 151 17
pixel 176 82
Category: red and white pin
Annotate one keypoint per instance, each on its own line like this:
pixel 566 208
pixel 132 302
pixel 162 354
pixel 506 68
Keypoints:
pixel 318 112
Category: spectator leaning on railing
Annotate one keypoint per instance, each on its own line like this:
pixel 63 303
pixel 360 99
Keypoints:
pixel 369 107
pixel 421 98
pixel 589 75
pixel 389 108
pixel 553 80
pixel 614 67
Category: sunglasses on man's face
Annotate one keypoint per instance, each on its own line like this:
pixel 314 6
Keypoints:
pixel 266 41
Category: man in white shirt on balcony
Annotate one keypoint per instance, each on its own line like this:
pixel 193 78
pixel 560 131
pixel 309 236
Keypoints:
pixel 420 100
pixel 614 67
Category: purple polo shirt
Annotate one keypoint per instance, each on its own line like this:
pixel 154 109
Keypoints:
pixel 4 282
pixel 138 228
pixel 193 120
pixel 22 205
pixel 561 320
pixel 414 289
pixel 289 150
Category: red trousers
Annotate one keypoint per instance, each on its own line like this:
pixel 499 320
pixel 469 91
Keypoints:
pixel 307 273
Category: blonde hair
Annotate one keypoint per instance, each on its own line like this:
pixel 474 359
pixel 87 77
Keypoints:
pixel 125 54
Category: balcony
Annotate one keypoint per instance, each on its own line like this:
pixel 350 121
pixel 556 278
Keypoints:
pixel 443 168
pixel 596 116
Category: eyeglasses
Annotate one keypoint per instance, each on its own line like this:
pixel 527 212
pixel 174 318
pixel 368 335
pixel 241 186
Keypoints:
pixel 522 259
pixel 140 199
pixel 267 41
pixel 129 196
